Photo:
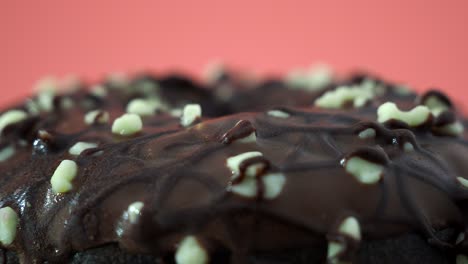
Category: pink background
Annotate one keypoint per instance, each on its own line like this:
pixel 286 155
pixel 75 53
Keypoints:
pixel 423 42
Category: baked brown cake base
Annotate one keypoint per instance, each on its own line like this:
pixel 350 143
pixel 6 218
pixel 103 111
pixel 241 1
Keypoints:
pixel 407 249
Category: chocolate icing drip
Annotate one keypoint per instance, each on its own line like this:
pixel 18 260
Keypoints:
pixel 445 118
pixel 242 129
pixel 180 175
pixel 439 95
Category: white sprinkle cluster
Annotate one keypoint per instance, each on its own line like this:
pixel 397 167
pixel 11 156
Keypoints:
pixel 190 114
pixel 134 211
pixel 8 225
pixel 143 107
pixel 12 117
pixel 364 171
pixel 358 95
pixel 278 114
pixel 63 176
pixel 80 147
pixel 190 251
pixel 127 125
pixel 315 78
pixel 273 183
pixel 415 117
pixel 96 117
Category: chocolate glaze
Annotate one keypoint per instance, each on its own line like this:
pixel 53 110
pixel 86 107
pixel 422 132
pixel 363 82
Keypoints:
pixel 181 177
pixel 242 129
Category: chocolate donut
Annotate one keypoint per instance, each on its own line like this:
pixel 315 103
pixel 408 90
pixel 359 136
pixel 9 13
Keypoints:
pixel 165 169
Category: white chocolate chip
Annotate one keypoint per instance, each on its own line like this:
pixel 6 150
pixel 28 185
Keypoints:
pixel 46 89
pixel 408 147
pixel 460 238
pixel 415 117
pixel 32 107
pixel 334 250
pixel 315 78
pixel 224 92
pixel 45 100
pixel 99 91
pixel 350 227
pixel 118 80
pixel 176 112
pixel 252 138
pixel 191 252
pixel 127 124
pixel 273 184
pixel 463 181
pixel 462 259
pixel 367 133
pixel 436 105
pixel 246 188
pixel 372 85
pixel 190 114
pixel 358 95
pixel 278 114
pixel 134 211
pixel 403 89
pixel 452 129
pixel 80 147
pixel 11 117
pixel 147 88
pixel 96 117
pixel 63 176
pixel 8 225
pixel 48 83
pixel 6 153
pixel 364 171
pixel 66 103
pixel 297 78
pixel 233 163
pixel 319 76
pixel 143 107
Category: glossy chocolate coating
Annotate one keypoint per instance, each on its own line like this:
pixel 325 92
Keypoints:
pixel 180 175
